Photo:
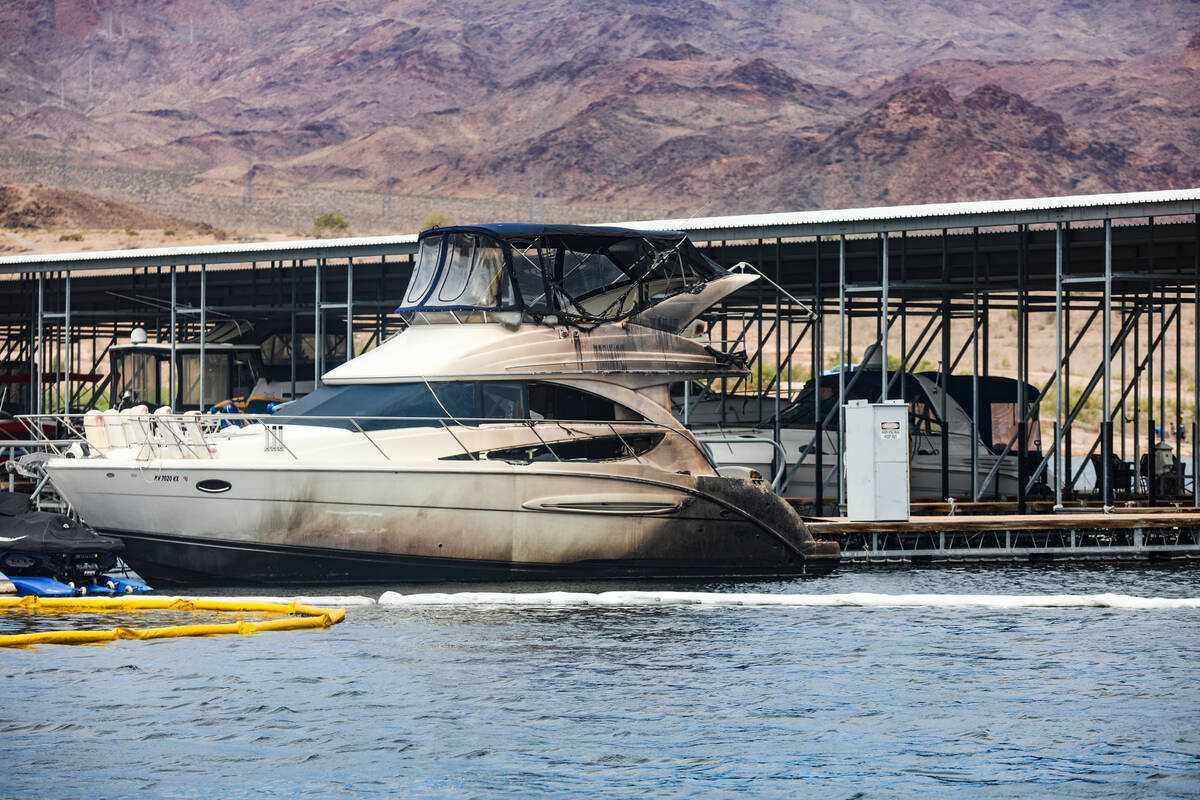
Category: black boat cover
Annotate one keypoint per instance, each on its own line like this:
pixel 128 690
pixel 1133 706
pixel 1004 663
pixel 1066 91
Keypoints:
pixel 23 529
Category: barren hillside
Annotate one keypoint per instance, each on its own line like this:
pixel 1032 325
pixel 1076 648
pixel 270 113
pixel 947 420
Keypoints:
pixel 263 114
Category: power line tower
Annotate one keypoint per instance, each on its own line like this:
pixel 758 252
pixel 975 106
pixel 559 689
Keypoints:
pixel 248 195
pixel 387 193
pixel 63 161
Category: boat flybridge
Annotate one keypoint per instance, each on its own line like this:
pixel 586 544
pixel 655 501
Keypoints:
pixel 519 426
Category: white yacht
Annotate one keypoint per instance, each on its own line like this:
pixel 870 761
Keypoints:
pixel 519 427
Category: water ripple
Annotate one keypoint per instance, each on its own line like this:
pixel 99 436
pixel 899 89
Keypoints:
pixel 773 699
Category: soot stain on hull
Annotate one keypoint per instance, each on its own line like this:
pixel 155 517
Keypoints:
pixel 173 560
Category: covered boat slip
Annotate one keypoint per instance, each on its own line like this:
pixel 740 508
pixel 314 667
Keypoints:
pixel 1082 277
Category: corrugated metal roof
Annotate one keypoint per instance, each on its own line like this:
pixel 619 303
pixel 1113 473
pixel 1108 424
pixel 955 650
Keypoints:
pixel 1100 202
pixel 263 250
pixel 800 223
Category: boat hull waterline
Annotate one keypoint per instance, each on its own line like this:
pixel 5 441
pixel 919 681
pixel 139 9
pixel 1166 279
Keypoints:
pixel 486 521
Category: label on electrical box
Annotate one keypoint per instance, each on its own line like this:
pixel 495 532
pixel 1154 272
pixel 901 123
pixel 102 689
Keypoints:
pixel 889 430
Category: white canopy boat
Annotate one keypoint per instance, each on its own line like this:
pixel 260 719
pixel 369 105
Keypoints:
pixel 519 427
pixel 793 464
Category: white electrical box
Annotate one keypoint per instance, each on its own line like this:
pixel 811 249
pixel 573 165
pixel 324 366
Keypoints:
pixel 876 459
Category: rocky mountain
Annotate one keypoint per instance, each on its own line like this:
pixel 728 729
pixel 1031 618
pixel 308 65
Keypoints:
pixel 666 106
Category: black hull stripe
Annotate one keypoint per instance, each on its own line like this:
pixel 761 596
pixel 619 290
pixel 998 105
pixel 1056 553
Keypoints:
pixel 166 559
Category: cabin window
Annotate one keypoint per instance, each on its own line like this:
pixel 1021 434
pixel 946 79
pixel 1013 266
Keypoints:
pixel 216 379
pixel 503 401
pixel 365 400
pixel 591 448
pixel 1004 428
pixel 140 374
pixel 552 401
pixel 469 402
pixel 588 448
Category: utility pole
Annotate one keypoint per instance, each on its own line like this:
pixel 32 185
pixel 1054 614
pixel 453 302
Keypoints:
pixel 62 92
pixel 89 74
pixel 110 23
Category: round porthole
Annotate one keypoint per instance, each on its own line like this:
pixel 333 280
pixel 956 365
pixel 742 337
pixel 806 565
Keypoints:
pixel 214 486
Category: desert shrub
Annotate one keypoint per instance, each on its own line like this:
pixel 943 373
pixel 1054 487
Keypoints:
pixel 71 237
pixel 331 222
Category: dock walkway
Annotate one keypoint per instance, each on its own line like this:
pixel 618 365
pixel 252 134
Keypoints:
pixel 1088 535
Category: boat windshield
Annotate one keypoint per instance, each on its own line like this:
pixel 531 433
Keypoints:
pixel 566 274
pixel 459 271
pixel 801 413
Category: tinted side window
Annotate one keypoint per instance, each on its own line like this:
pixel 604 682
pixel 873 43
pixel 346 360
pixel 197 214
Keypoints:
pixel 550 401
pixel 382 400
pixel 502 401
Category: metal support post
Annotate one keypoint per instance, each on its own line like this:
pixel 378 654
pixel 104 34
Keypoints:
pixel 41 321
pixel 1162 371
pixel 903 315
pixel 1022 360
pixel 349 308
pixel 1106 419
pixel 203 331
pixel 841 369
pixel 975 365
pixel 318 334
pixel 776 433
pixel 883 324
pixel 1058 365
pixel 945 387
pixel 295 341
pixel 1178 393
pixel 818 329
pixel 1137 393
pixel 1065 386
pixel 762 344
pixel 171 379
pixel 65 358
pixel 1196 360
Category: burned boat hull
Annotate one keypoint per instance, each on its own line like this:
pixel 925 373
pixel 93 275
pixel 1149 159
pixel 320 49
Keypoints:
pixel 174 560
pixel 476 521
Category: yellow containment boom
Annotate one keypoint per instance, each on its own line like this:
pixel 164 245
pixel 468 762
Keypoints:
pixel 309 617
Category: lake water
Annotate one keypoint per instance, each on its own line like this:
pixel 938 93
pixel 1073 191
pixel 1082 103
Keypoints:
pixel 666 699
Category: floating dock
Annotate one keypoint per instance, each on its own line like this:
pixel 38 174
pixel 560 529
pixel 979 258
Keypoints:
pixel 1123 535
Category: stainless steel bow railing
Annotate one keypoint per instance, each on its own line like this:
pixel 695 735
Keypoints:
pixel 157 436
